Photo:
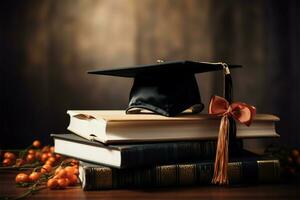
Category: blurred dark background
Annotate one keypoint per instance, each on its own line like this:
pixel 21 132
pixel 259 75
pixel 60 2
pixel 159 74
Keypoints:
pixel 46 47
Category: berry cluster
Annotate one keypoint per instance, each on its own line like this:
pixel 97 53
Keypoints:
pixel 43 168
pixel 291 163
pixel 64 176
pixel 289 160
pixel 29 155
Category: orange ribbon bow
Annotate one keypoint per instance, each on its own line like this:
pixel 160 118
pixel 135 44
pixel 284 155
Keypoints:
pixel 241 112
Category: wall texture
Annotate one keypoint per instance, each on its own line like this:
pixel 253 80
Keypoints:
pixel 48 45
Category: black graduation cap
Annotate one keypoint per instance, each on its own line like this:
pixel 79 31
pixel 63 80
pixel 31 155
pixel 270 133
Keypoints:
pixel 166 88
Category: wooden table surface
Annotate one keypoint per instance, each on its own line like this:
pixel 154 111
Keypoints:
pixel 276 191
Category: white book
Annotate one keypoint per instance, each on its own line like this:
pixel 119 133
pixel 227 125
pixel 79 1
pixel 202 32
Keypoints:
pixel 115 126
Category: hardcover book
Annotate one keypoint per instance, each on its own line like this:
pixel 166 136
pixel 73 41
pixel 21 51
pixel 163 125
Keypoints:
pixel 118 127
pixel 240 171
pixel 133 155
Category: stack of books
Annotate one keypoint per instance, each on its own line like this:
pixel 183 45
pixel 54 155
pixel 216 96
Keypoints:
pixel 119 150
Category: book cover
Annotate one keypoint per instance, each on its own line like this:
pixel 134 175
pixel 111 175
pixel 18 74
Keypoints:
pixel 118 127
pixel 241 171
pixel 133 155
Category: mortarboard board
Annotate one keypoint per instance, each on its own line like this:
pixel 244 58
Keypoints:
pixel 166 88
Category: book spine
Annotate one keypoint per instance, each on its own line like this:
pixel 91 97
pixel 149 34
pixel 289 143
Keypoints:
pixel 101 178
pixel 167 153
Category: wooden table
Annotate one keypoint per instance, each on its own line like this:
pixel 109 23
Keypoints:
pixel 278 191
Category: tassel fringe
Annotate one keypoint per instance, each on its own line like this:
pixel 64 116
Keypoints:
pixel 221 162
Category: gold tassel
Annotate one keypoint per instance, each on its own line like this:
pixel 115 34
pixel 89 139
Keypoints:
pixel 221 162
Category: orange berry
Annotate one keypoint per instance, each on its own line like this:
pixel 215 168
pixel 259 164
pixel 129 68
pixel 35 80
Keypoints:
pixel 31 151
pixel 69 170
pixel 58 169
pixel 34 176
pixel 76 171
pixel 9 155
pixel 73 180
pixel 74 162
pixel 52 159
pixel 68 181
pixel 52 184
pixel 295 153
pixel 30 158
pixel 46 169
pixel 44 157
pixel 38 155
pixel 45 149
pixel 62 183
pixel 75 166
pixel 52 150
pixel 7 162
pixel 58 156
pixel 36 144
pixel 62 173
pixel 22 178
pixel 49 163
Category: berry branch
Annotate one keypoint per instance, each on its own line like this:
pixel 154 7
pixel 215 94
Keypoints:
pixel 47 169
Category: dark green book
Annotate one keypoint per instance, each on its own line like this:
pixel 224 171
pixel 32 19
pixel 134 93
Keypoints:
pixel 241 171
pixel 133 155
